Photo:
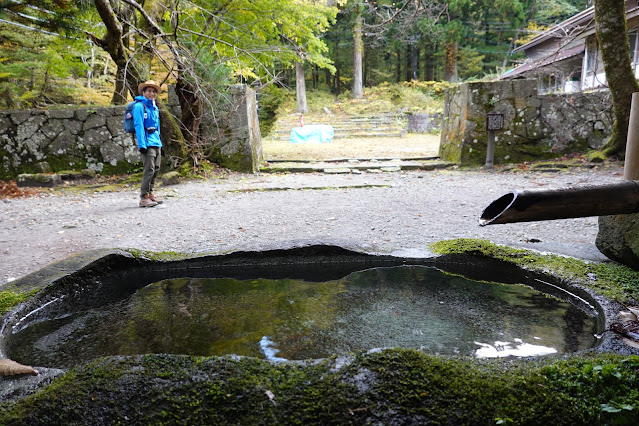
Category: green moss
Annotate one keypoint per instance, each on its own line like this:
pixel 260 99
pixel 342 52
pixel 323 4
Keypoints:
pixel 596 156
pixel 163 256
pixel 10 298
pixel 389 387
pixel 611 280
pixel 66 162
pixel 121 167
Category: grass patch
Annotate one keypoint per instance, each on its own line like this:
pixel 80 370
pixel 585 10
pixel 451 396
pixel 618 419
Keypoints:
pixel 382 99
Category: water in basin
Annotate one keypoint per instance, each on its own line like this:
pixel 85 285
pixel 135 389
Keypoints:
pixel 287 319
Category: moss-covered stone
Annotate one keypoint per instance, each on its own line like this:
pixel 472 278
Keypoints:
pixel 389 387
pixel 595 156
pixel 10 298
pixel 611 280
pixel 392 386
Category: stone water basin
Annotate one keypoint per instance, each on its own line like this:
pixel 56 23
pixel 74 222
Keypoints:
pixel 296 304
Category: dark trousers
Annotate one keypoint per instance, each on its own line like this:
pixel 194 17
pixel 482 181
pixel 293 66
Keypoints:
pixel 151 162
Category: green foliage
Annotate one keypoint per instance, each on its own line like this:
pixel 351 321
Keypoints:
pixel 51 15
pixel 269 100
pixel 471 63
pixel 34 67
pixel 550 11
pixel 415 96
pixel 250 37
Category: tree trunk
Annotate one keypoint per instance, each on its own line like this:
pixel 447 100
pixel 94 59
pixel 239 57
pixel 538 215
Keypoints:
pixel 398 69
pixel 120 91
pixel 315 76
pixel 146 48
pixel 612 33
pixel 428 65
pixel 415 62
pixel 127 73
pixel 358 52
pixel 407 62
pixel 300 88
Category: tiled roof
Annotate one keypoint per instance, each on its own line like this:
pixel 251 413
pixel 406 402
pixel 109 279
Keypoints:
pixel 559 55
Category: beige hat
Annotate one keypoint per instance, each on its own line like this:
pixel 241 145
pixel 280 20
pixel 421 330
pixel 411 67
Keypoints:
pixel 149 83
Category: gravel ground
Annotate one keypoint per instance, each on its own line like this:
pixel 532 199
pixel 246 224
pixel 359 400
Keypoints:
pixel 381 212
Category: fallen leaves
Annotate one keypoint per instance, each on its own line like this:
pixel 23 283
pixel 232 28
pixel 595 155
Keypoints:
pixel 12 368
pixel 628 327
pixel 11 190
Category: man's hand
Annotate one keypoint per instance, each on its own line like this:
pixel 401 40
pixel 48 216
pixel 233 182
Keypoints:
pixel 143 151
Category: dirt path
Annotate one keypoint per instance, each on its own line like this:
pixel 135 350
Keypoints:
pixel 409 146
pixel 397 211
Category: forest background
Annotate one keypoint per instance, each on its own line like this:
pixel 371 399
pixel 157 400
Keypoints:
pixel 95 52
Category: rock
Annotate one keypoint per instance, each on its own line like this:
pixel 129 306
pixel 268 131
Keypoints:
pixel 618 238
pixel 39 180
pixel 42 167
pixel 88 173
pixel 170 178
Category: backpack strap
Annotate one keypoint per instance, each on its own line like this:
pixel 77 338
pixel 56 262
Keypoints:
pixel 144 106
pixel 144 118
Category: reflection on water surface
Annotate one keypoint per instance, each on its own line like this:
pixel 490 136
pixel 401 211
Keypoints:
pixel 410 307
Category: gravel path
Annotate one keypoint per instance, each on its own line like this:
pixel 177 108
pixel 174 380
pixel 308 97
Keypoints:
pixel 377 211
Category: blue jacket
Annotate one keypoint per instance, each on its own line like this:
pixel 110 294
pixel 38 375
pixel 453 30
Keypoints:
pixel 145 139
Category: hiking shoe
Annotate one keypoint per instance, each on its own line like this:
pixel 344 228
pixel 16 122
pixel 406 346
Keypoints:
pixel 155 198
pixel 147 202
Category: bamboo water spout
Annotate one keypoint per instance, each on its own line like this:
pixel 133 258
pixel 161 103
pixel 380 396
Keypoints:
pixel 563 203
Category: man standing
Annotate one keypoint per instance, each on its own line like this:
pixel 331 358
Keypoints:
pixel 146 118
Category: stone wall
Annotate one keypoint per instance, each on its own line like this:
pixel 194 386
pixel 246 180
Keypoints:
pixel 93 138
pixel 86 138
pixel 536 126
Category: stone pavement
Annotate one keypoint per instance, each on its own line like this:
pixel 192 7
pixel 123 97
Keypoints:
pixel 401 211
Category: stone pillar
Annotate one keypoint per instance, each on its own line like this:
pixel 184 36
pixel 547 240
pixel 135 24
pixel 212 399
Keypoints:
pixel 242 150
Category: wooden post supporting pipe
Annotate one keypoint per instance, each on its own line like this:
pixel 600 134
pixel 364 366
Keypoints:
pixel 631 162
pixel 563 203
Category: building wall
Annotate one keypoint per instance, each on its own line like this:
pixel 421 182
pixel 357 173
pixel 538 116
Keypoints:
pixel 536 127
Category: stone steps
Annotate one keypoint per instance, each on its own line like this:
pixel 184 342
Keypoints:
pixel 355 166
pixel 345 127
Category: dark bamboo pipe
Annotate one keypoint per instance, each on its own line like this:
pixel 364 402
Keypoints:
pixel 563 203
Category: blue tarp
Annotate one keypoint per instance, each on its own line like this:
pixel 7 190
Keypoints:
pixel 312 133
